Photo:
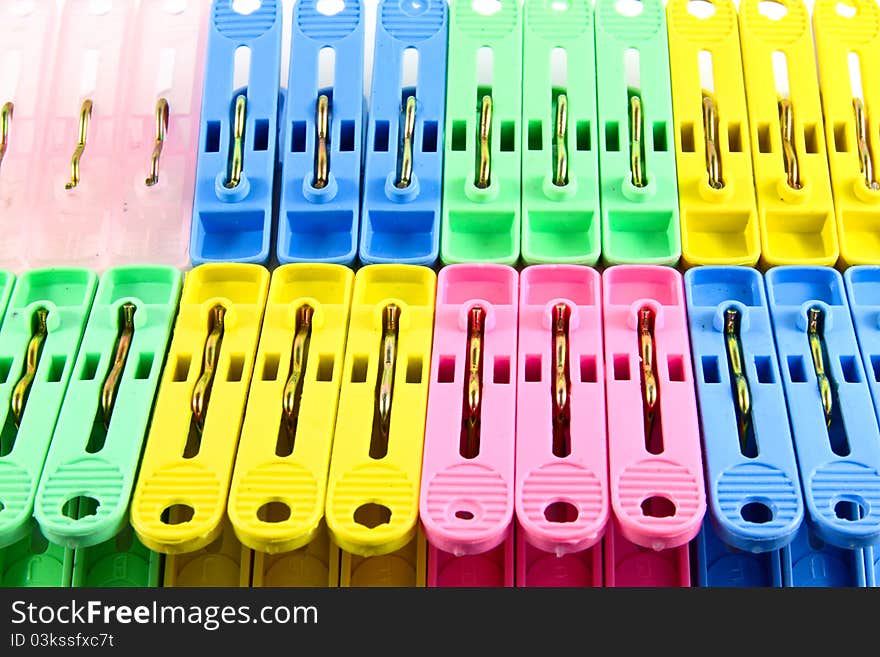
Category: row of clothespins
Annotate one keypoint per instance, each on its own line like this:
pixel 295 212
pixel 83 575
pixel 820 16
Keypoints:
pixel 406 411
pixel 550 132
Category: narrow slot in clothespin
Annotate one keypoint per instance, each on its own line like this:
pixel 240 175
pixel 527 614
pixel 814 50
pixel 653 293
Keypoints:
pixel 404 147
pixel 26 51
pixel 373 484
pixel 743 412
pixel 320 155
pixel 561 498
pixel 719 217
pixel 793 190
pixel 467 496
pixel 636 154
pixel 848 50
pixel 40 337
pixel 102 424
pixel 291 410
pixel 656 477
pixel 560 168
pixel 76 198
pixel 835 429
pixel 180 497
pixel 482 169
pixel 159 134
pixel 233 202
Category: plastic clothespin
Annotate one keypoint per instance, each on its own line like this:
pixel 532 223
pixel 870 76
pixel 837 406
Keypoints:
pixel 718 564
pixel 636 156
pixel 561 497
pixel 39 339
pixel 276 502
pixel 560 166
pixel 76 174
pixel 656 469
pixel 795 207
pixel 122 561
pixel 223 562
pixel 232 211
pixel 834 426
pixel 482 171
pixel 157 146
pixel 373 487
pixel 32 561
pixel 467 497
pixel 719 217
pixel 754 493
pixel 403 161
pixel 809 561
pixel 848 49
pixel 179 502
pixel 315 564
pixel 27 49
pixel 322 131
pixel 628 564
pixel 96 445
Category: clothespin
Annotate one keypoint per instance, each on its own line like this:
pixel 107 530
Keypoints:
pixel 32 561
pixel 718 564
pixel 223 562
pixel 628 564
pixel 809 561
pixel 122 561
pixel 403 161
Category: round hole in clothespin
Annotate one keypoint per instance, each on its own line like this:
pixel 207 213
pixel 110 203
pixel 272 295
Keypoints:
pixel 486 7
pixel 701 9
pixel 845 10
pixel 772 9
pixel 330 7
pixel 629 7
pixel 245 7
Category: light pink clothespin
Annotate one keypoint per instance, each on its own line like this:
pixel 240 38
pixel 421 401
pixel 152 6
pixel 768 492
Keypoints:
pixel 157 145
pixel 26 49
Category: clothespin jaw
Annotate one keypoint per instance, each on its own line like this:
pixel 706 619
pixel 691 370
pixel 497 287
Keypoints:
pixel 636 155
pixel 120 561
pixel 719 218
pixel 32 561
pixel 232 209
pixel 318 218
pixel 743 414
pixel 718 564
pixel 795 206
pixel 102 423
pixel 291 409
pixel 631 564
pixel 834 426
pixel 656 472
pixel 77 161
pixel 39 339
pixel 223 562
pixel 847 42
pixel 482 169
pixel 373 485
pixel 560 162
pixel 314 564
pixel 180 497
pixel 561 431
pixel 403 161
pixel 809 561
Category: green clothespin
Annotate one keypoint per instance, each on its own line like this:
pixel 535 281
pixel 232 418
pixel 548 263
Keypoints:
pixel 560 167
pixel 637 153
pixel 33 561
pixel 39 339
pixel 121 561
pixel 481 182
pixel 97 442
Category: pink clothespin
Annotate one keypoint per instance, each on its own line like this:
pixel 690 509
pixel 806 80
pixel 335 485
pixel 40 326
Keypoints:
pixel 466 502
pixel 561 444
pixel 158 138
pixel 77 174
pixel 25 52
pixel 655 463
pixel 628 564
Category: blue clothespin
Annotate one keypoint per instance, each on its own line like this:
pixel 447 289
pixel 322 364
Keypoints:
pixel 719 564
pixel 404 148
pixel 755 497
pixel 808 561
pixel 232 211
pixel 321 136
pixel 832 417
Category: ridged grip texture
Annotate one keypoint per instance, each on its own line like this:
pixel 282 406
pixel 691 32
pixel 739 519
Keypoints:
pixel 233 25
